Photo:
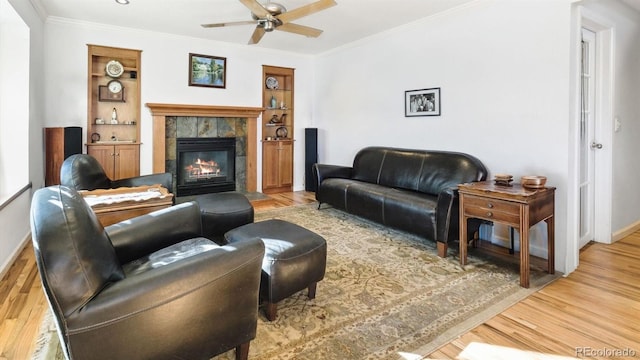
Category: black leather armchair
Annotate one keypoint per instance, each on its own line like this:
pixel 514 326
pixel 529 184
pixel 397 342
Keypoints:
pixel 146 288
pixel 84 172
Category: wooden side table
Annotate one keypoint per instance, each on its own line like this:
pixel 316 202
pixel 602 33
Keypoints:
pixel 514 206
pixel 114 205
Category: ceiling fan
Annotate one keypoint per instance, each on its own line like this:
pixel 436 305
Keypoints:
pixel 273 16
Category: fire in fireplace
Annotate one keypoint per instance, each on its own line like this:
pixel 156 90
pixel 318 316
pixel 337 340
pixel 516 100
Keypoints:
pixel 202 169
pixel 205 165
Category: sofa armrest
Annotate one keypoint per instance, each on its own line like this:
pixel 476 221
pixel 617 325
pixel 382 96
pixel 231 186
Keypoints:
pixel 324 171
pixel 144 234
pixel 448 218
pixel 447 214
pixel 164 179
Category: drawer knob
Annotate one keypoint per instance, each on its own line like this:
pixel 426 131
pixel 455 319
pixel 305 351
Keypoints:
pixel 490 205
pixel 489 214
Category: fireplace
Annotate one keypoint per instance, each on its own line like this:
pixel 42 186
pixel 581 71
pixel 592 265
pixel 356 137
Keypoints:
pixel 205 165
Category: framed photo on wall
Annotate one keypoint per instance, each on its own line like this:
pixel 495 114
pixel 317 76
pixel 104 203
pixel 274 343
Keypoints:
pixel 422 102
pixel 208 71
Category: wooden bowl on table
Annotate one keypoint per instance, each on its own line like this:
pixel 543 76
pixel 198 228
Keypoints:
pixel 533 181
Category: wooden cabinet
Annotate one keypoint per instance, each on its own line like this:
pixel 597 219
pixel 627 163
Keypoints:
pixel 113 119
pixel 118 161
pixel 277 129
pixel 277 165
pixel 59 143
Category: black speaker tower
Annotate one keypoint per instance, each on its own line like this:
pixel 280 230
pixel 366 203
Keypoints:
pixel 72 141
pixel 310 157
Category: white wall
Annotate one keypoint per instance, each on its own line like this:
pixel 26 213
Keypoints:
pixel 503 70
pixel 164 77
pixel 14 218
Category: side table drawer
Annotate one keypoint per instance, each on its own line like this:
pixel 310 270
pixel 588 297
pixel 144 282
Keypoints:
pixel 491 204
pixel 492 210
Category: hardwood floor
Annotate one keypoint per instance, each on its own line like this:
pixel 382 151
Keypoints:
pixel 591 313
pixel 594 311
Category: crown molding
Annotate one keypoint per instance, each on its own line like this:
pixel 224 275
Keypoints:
pixel 39 8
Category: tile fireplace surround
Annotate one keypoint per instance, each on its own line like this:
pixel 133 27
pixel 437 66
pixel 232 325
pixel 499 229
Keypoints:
pixel 160 112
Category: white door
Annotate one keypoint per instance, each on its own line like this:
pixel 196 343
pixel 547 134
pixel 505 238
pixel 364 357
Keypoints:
pixel 588 144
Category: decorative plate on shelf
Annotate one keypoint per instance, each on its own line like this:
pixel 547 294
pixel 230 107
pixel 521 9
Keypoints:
pixel 281 132
pixel 114 68
pixel 272 83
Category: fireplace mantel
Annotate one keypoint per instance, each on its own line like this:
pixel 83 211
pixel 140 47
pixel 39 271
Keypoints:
pixel 159 113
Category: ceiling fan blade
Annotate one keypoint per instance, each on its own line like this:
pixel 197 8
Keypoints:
pixel 229 24
pixel 256 8
pixel 300 29
pixel 305 10
pixel 258 33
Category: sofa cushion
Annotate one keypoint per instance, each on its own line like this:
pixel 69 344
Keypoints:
pixel 445 170
pixel 366 200
pixel 367 163
pixel 168 255
pixel 412 211
pixel 401 169
pixel 334 191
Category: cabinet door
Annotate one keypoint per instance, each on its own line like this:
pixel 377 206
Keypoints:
pixel 104 154
pixel 54 154
pixel 270 164
pixel 126 161
pixel 286 163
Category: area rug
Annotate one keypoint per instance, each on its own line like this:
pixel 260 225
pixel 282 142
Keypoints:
pixel 386 295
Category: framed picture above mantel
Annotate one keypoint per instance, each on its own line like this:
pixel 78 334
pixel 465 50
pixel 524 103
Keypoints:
pixel 207 71
pixel 422 102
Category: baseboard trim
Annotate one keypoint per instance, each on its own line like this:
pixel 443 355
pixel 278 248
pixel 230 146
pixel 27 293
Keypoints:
pixel 12 259
pixel 624 232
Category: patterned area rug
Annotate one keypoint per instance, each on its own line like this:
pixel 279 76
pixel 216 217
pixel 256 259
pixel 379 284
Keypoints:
pixel 386 295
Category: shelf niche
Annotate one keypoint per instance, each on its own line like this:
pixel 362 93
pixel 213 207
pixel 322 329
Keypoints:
pixel 277 129
pixel 124 135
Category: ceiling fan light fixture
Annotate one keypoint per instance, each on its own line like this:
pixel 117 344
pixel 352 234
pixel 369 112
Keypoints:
pixel 123 2
pixel 268 26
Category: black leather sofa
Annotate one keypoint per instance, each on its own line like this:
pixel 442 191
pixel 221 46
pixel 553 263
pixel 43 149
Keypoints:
pixel 411 190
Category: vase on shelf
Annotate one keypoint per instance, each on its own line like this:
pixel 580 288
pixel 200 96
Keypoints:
pixel 114 116
pixel 274 102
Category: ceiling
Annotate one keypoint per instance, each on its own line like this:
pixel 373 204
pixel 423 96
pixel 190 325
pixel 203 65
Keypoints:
pixel 633 3
pixel 349 21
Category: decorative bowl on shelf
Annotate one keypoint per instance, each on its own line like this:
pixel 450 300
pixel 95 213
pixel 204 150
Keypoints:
pixel 281 132
pixel 533 181
pixel 274 119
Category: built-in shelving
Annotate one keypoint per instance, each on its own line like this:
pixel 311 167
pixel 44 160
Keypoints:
pixel 277 129
pixel 114 141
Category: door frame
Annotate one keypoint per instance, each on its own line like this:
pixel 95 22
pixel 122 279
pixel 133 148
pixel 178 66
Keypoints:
pixel 605 73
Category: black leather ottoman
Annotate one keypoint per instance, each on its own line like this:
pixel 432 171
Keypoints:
pixel 295 258
pixel 222 212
